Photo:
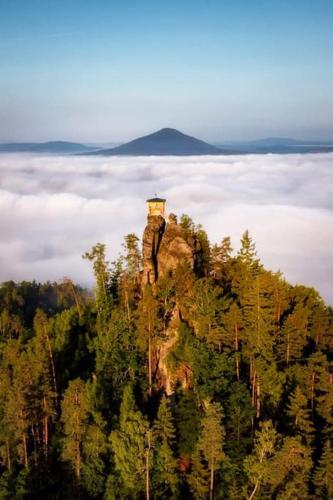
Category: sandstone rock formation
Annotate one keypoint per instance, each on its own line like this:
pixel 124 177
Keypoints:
pixel 164 248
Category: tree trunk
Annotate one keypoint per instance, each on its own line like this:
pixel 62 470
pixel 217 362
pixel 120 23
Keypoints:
pixel 147 468
pixel 149 363
pixel 258 398
pixel 77 441
pixel 35 444
pixel 254 389
pixel 211 487
pixel 9 462
pixel 127 305
pixel 254 490
pixel 25 451
pixel 47 338
pixel 78 460
pixel 45 428
pixel 69 282
pixel 288 349
pixel 312 389
pixel 236 349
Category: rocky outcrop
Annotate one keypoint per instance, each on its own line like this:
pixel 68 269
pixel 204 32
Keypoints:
pixel 164 248
pixel 165 377
pixel 151 241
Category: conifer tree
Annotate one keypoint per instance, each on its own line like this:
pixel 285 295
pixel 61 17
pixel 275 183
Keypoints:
pixel 232 334
pixel 84 441
pixel 239 414
pixel 15 376
pixel 300 413
pixel 220 258
pixel 131 446
pixel 199 478
pixel 150 327
pixel 323 477
pixel 247 253
pixel 103 283
pixel 258 464
pixel 319 325
pixel 211 440
pixel 290 469
pixel 325 404
pixel 258 338
pixel 165 478
pixel 317 376
pixel 293 335
pixel 129 277
pixel 206 311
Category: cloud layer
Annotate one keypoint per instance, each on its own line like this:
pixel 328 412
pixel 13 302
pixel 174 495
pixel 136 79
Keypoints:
pixel 52 209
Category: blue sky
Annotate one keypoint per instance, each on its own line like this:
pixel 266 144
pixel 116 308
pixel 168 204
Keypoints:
pixel 107 71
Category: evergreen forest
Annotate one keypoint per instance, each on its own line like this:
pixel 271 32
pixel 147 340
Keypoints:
pixel 247 411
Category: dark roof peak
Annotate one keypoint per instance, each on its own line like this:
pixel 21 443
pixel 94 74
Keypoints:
pixel 156 199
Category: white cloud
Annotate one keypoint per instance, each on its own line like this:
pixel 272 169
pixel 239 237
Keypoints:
pixel 52 209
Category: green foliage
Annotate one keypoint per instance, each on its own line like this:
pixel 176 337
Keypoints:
pixel 323 478
pixel 103 283
pixel 300 413
pixel 211 440
pixel 129 444
pixel 84 441
pixel 152 367
pixel 165 479
pixel 258 465
pixel 187 422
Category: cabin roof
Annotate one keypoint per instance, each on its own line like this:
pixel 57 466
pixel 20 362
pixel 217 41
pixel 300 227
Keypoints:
pixel 156 199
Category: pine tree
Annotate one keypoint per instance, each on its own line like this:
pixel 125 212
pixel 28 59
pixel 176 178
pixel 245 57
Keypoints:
pixel 323 477
pixel 293 335
pixel 325 404
pixel 232 333
pixel 103 283
pixel 239 414
pixel 165 478
pixel 319 326
pixel 290 469
pixel 129 277
pixel 150 326
pixel 258 465
pixel 206 311
pixel 131 446
pixel 247 254
pixel 15 408
pixel 199 478
pixel 220 258
pixel 317 377
pixel 258 338
pixel 211 440
pixel 298 410
pixel 84 441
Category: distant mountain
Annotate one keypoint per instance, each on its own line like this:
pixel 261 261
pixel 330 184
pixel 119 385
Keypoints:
pixel 52 147
pixel 279 145
pixel 164 142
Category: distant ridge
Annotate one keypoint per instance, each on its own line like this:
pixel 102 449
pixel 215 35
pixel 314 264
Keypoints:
pixel 279 145
pixel 169 141
pixel 164 142
pixel 52 147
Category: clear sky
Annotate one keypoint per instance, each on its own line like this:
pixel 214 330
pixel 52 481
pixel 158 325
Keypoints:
pixel 107 70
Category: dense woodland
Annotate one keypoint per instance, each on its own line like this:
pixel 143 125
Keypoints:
pixel 82 414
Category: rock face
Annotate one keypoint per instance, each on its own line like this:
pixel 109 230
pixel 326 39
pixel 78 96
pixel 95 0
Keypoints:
pixel 164 247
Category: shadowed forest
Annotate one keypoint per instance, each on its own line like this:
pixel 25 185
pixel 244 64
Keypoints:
pixel 246 411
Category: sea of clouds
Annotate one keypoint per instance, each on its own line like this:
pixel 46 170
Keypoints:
pixel 54 208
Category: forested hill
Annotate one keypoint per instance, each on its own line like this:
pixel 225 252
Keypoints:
pixel 214 381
